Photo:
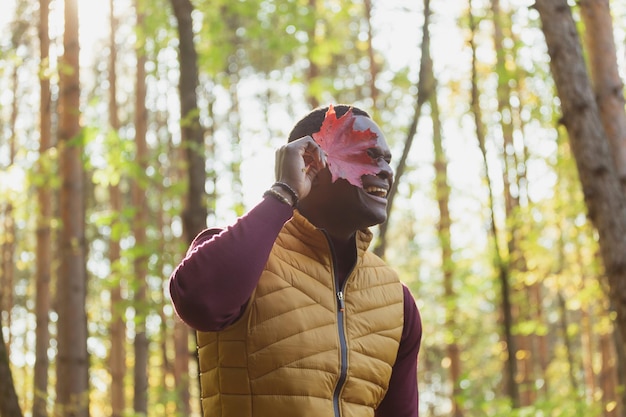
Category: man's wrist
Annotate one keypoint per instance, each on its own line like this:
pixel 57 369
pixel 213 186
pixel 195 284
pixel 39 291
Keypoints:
pixel 280 194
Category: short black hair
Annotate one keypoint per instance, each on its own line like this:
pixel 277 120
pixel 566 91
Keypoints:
pixel 312 122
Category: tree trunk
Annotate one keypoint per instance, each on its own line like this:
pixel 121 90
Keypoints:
pixel 234 125
pixel 567 340
pixel 7 241
pixel 140 261
pixel 370 54
pixel 608 376
pixel 620 358
pixel 609 93
pixel 587 339
pixel 442 191
pixel 181 332
pixel 511 163
pixel 9 404
pixel 192 138
pixel 607 84
pixel 44 240
pixel 425 87
pixel 182 356
pixel 7 263
pixel 117 327
pixel 606 203
pixel 191 130
pixel 313 71
pixel 72 359
pixel 500 264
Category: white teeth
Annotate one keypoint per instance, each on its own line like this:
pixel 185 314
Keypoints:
pixel 381 192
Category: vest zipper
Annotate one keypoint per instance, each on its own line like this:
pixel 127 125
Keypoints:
pixel 343 349
pixel 341 329
pixel 342 304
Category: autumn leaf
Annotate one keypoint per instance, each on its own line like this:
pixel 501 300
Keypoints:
pixel 346 148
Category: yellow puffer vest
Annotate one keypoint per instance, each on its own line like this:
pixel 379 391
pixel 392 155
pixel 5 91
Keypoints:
pixel 293 353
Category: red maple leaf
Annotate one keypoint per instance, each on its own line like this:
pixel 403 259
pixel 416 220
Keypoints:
pixel 346 148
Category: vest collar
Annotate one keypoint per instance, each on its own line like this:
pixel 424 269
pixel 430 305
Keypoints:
pixel 317 238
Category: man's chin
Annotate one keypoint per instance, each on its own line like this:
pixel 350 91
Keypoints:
pixel 377 218
pixel 374 209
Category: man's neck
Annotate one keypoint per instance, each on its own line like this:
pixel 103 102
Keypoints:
pixel 345 256
pixel 339 231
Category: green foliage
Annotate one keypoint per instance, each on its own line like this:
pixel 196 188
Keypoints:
pixel 258 34
pixel 255 59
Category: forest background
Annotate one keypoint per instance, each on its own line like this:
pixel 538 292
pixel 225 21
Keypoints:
pixel 127 126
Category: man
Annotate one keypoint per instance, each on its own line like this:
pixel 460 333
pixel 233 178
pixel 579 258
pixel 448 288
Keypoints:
pixel 294 316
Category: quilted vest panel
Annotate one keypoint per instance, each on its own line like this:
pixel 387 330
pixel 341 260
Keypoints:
pixel 282 357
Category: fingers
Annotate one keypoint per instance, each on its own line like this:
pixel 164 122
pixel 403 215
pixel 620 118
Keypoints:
pixel 298 162
pixel 301 154
pixel 312 154
pixel 278 162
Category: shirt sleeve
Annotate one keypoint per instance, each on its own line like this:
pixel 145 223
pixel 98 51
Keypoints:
pixel 402 398
pixel 212 284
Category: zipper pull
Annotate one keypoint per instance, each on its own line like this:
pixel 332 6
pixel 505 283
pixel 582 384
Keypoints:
pixel 342 304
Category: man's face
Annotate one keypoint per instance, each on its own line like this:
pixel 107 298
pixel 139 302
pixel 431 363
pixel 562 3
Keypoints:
pixel 367 206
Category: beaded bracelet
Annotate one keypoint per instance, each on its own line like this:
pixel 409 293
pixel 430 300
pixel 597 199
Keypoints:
pixel 294 195
pixel 278 196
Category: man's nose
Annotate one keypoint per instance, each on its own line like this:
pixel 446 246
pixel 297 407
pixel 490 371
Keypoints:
pixel 386 171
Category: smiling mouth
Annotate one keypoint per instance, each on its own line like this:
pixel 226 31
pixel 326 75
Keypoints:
pixel 376 191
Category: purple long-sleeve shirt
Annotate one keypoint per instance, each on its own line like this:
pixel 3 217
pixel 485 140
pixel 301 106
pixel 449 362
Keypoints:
pixel 211 287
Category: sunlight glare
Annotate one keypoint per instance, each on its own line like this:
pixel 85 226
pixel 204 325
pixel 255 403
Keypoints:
pixel 12 180
pixel 94 22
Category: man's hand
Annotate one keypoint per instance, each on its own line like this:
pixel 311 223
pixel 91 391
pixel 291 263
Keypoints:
pixel 297 164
